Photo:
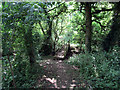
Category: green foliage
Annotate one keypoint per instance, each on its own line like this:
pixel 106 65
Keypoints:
pixel 24 74
pixel 60 23
pixel 100 69
pixel 78 25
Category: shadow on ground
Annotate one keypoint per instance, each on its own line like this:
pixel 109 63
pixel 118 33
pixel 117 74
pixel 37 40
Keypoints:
pixel 58 74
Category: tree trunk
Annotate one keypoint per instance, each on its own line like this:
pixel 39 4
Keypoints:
pixel 119 42
pixel 47 46
pixel 49 38
pixel 67 51
pixel 53 52
pixel 29 45
pixel 49 32
pixel 88 26
pixel 114 35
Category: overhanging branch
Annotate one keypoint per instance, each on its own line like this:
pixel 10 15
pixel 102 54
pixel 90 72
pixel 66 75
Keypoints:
pixel 99 23
pixel 55 7
pixel 42 28
pixel 103 9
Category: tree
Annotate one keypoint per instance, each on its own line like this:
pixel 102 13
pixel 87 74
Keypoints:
pixel 29 45
pixel 88 26
pixel 114 35
pixel 51 14
pixel 20 22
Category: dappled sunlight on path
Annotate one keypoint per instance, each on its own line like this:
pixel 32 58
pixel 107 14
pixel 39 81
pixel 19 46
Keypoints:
pixel 59 75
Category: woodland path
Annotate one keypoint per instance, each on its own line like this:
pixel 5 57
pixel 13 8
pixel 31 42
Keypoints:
pixel 59 74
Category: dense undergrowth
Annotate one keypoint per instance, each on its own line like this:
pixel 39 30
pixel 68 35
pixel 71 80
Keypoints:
pixel 101 69
pixel 24 74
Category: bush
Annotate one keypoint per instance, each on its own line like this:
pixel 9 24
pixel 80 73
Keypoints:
pixel 24 74
pixel 100 69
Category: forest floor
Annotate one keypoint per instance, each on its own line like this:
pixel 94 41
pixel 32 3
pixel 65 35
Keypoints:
pixel 59 74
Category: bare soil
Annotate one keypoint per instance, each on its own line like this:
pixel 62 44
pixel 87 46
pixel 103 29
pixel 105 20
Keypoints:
pixel 59 75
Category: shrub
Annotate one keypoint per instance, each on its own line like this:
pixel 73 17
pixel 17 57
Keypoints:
pixel 100 69
pixel 24 74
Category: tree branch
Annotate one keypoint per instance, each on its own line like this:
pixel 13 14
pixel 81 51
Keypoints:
pixel 57 14
pixel 55 7
pixel 103 9
pixel 62 9
pixel 98 23
pixel 83 28
pixel 42 28
pixel 11 68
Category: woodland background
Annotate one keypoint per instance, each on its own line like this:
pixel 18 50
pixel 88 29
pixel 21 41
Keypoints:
pixel 88 33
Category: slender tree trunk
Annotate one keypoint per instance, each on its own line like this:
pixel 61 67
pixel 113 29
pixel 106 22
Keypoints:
pixel 54 44
pixel 41 27
pixel 12 73
pixel 29 45
pixel 119 42
pixel 67 50
pixel 49 42
pixel 47 46
pixel 49 32
pixel 88 26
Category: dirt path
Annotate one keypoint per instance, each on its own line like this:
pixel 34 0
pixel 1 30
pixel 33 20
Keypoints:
pixel 58 75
